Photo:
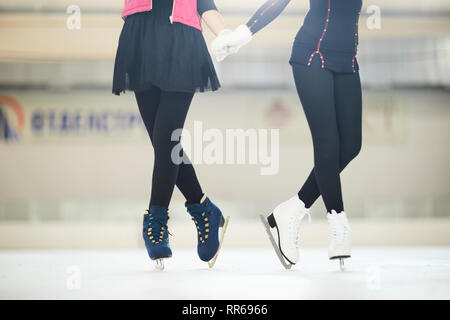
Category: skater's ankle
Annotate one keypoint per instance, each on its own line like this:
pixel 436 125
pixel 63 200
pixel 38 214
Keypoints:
pixel 335 211
pixel 196 200
pixel 302 203
pixel 158 210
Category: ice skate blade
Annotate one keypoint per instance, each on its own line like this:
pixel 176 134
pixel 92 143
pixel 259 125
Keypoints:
pixel 341 264
pixel 159 264
pixel 341 261
pixel 222 235
pixel 275 246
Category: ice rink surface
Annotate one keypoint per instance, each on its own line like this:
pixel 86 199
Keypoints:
pixel 372 273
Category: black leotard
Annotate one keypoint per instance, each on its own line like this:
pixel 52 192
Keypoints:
pixel 329 32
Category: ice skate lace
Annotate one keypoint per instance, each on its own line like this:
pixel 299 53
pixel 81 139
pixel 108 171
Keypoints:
pixel 339 230
pixel 295 226
pixel 201 221
pixel 156 229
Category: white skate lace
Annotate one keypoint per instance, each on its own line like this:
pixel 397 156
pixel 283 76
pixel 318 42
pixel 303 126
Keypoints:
pixel 295 227
pixel 339 231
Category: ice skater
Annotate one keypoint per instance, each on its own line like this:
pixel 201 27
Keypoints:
pixel 326 75
pixel 163 58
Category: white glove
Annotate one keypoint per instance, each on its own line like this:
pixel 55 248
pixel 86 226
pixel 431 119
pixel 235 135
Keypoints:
pixel 228 42
pixel 219 47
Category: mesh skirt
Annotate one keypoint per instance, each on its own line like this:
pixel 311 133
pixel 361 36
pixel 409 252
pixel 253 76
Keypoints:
pixel 154 52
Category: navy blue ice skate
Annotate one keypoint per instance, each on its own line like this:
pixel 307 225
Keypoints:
pixel 208 219
pixel 156 233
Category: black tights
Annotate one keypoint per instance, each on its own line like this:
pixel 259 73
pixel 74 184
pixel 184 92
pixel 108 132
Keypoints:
pixel 162 113
pixel 333 106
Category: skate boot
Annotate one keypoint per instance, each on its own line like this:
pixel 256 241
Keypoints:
pixel 340 237
pixel 208 219
pixel 156 235
pixel 286 218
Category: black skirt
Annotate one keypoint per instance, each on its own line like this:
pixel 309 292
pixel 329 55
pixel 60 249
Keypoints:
pixel 154 52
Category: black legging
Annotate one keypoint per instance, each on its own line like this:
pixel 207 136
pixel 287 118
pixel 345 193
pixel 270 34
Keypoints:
pixel 162 113
pixel 333 107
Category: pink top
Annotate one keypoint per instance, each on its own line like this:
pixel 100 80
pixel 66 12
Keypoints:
pixel 184 11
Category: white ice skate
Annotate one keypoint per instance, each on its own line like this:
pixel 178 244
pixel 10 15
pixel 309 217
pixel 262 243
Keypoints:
pixel 286 218
pixel 340 245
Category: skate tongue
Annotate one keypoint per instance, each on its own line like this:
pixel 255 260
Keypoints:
pixel 302 214
pixel 309 216
pixel 158 219
pixel 161 220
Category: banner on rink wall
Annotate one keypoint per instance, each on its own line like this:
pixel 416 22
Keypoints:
pixel 47 122
pixel 93 117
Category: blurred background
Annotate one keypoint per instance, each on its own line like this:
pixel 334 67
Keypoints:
pixel 76 162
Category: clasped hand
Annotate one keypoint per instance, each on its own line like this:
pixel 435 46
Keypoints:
pixel 229 42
